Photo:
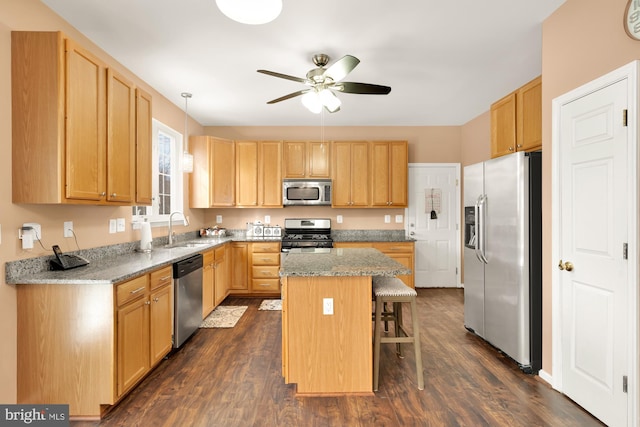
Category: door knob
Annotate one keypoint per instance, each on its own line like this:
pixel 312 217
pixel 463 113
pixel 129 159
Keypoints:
pixel 565 266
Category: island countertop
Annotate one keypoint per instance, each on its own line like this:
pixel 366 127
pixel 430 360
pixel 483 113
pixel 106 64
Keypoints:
pixel 341 262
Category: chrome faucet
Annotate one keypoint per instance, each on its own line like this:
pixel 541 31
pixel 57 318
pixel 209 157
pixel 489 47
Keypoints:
pixel 170 240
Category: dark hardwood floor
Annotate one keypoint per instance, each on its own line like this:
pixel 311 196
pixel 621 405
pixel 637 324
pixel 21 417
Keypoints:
pixel 232 377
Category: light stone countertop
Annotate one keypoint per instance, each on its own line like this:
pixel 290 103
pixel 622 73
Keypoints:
pixel 341 262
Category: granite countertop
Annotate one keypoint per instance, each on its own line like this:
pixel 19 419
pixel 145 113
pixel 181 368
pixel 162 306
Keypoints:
pixel 114 269
pixel 370 236
pixel 341 262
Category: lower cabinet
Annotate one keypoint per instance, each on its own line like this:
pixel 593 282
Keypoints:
pixel 265 267
pixel 94 342
pixel 144 325
pixel 238 276
pixel 215 279
pixel 403 252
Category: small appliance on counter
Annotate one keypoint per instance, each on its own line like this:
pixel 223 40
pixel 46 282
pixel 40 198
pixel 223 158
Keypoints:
pixel 213 232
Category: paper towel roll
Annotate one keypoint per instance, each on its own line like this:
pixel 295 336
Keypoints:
pixel 145 236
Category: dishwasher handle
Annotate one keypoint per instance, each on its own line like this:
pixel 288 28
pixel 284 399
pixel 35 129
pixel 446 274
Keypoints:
pixel 186 266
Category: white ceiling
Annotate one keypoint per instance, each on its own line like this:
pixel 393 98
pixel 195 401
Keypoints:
pixel 446 61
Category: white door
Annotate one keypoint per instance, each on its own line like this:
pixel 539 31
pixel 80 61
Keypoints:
pixel 593 187
pixel 435 186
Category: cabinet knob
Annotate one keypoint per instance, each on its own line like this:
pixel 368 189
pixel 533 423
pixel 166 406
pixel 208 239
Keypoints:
pixel 510 148
pixel 104 193
pixel 113 194
pixel 519 145
pixel 147 302
pixel 156 299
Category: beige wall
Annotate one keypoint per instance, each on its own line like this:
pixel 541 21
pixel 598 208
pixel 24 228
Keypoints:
pixel 581 41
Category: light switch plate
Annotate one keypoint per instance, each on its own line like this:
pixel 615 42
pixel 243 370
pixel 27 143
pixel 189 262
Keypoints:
pixel 399 219
pixel 387 219
pixel 112 226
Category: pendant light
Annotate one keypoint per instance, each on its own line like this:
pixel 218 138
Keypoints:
pixel 252 12
pixel 187 158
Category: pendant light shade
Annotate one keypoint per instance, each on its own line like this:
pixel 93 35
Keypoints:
pixel 187 158
pixel 253 12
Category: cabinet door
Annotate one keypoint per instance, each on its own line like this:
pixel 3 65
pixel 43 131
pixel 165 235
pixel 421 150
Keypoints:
pixel 143 148
pixel 270 178
pixel 360 174
pixel 221 275
pixel 85 139
pixel 200 179
pixel 121 144
pixel 133 343
pixel 161 323
pixel 208 283
pixel 239 267
pixel 222 172
pixel 341 164
pixel 529 116
pixel 399 178
pixel 246 173
pixel 294 155
pixel 319 164
pixel 381 178
pixel 503 126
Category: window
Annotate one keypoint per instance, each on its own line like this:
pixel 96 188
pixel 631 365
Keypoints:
pixel 167 177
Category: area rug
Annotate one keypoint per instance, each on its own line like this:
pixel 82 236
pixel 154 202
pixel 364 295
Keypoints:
pixel 224 316
pixel 271 305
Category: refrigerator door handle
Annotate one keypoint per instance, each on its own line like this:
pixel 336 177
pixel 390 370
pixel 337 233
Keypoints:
pixel 480 238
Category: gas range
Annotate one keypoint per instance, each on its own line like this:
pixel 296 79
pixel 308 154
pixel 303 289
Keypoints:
pixel 306 233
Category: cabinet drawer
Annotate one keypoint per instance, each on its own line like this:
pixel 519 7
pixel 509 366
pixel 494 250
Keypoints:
pixel 266 285
pixel 394 246
pixel 133 289
pixel 219 253
pixel 208 257
pixel 265 247
pixel 266 271
pixel 266 259
pixel 161 277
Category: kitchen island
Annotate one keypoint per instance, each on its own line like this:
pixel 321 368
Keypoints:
pixel 326 318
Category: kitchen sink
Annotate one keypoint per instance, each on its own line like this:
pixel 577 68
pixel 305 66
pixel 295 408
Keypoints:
pixel 188 245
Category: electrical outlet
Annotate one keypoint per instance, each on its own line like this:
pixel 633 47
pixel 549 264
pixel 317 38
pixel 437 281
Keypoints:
pixel 68 229
pixel 112 226
pixel 327 306
pixel 399 219
pixel 267 219
pixel 120 225
pixel 339 219
pixel 219 219
pixel 387 219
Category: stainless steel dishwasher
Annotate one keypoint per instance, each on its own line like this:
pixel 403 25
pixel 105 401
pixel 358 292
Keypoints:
pixel 187 275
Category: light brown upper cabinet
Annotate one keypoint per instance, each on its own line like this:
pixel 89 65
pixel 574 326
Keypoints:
pixel 258 174
pixel 144 172
pixel 389 173
pixel 212 183
pixel 73 124
pixel 350 165
pixel 306 159
pixel 516 120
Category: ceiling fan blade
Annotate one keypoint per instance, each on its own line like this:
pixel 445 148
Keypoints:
pixel 291 95
pixel 283 76
pixel 342 67
pixel 362 88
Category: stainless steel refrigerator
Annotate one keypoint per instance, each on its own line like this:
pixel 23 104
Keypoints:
pixel 503 255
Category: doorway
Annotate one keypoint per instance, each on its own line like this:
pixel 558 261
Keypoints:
pixel 594 223
pixel 432 218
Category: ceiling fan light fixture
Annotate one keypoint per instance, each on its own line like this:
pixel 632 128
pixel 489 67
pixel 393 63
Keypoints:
pixel 312 101
pixel 330 100
pixel 252 12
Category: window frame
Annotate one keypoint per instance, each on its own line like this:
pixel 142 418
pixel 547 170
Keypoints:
pixel 151 213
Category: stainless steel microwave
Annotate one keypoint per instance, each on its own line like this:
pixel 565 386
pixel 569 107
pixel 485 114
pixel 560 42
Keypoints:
pixel 306 192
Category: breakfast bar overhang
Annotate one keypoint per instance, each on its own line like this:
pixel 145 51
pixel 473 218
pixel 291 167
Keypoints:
pixel 326 318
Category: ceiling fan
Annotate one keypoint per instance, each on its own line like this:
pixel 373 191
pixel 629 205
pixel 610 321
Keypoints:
pixel 324 81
